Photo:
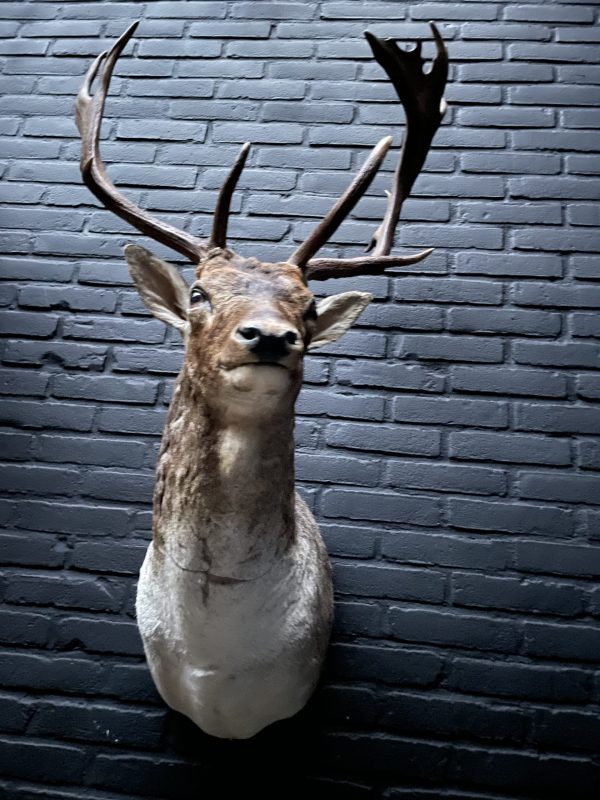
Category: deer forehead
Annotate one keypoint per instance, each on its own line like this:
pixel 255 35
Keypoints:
pixel 258 283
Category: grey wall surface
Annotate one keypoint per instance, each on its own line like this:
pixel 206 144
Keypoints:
pixel 448 444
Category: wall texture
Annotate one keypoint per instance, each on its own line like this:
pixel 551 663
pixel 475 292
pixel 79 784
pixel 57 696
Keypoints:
pixel 448 444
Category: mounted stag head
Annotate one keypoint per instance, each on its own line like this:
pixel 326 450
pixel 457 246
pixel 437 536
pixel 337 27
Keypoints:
pixel 234 601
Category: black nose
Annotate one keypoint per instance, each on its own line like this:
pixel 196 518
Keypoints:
pixel 267 345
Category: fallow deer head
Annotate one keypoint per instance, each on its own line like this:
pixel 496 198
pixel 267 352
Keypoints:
pixel 241 313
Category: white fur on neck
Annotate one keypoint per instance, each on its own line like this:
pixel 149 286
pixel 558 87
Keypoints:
pixel 234 634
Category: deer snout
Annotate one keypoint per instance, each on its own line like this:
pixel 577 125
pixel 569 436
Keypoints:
pixel 267 342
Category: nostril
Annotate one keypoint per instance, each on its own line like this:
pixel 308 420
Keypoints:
pixel 249 333
pixel 291 337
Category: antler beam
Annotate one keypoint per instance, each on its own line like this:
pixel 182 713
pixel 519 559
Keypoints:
pixel 88 114
pixel 421 95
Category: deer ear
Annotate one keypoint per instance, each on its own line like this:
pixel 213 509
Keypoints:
pixel 336 314
pixel 160 286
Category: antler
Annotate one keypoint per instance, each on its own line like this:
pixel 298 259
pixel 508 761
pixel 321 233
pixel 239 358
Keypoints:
pixel 424 106
pixel 88 113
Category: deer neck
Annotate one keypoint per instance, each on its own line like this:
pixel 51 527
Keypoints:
pixel 224 497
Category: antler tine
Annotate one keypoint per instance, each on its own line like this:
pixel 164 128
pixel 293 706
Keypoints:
pixel 337 214
pixel 88 114
pixel 424 105
pixel 218 236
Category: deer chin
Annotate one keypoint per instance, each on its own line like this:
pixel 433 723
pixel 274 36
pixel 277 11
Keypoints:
pixel 258 381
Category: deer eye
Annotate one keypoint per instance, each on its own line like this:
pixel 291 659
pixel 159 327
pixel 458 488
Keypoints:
pixel 197 296
pixel 311 311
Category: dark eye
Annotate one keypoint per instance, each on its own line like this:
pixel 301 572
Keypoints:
pixel 197 296
pixel 311 311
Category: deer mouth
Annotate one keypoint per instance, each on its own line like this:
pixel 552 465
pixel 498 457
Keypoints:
pixel 261 363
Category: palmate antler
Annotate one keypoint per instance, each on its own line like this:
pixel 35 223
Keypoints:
pixel 424 106
pixel 422 97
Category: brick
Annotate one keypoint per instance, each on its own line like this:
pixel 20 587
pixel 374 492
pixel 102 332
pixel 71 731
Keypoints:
pixel 34 551
pixel 483 11
pixel 448 348
pixel 557 418
pixel 63 592
pixel 575 354
pixel 57 763
pixel 349 541
pixel 561 187
pixel 584 268
pixel 471 631
pixel 585 325
pixel 504 321
pixel 509 265
pixel 98 723
pixel 381 506
pixel 83 450
pixel 451 716
pixel 519 163
pixel 551 52
pixel 108 484
pixel 105 388
pixel 23 323
pixel 15 447
pixel 581 643
pixel 529 772
pixel 385 438
pixel 556 140
pixel 356 406
pixel 389 581
pixel 447 550
pixel 388 665
pixel 450 411
pixel 558 728
pixel 271 11
pixel 399 376
pixel 558 558
pixel 358 618
pixel 510 517
pixel 72 517
pixel 513 594
pixel 588 386
pixel 307 112
pixel 22 413
pixel 555 13
pixel 589 454
pixel 446 478
pixel 515 448
pixel 23 382
pixel 68 298
pixel 562 488
pixel 336 469
pixel 75 356
pixel 24 628
pixel 541 294
pixel 507 117
pixel 98 635
pixel 519 680
pixel 509 381
pixel 451 290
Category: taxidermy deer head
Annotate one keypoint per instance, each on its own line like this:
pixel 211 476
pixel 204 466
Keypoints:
pixel 234 602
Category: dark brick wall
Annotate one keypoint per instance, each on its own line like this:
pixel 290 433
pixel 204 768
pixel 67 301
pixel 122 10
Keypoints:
pixel 448 444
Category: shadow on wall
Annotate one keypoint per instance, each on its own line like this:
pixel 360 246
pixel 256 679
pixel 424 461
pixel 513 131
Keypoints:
pixel 281 761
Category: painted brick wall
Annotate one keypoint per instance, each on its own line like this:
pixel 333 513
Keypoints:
pixel 448 444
